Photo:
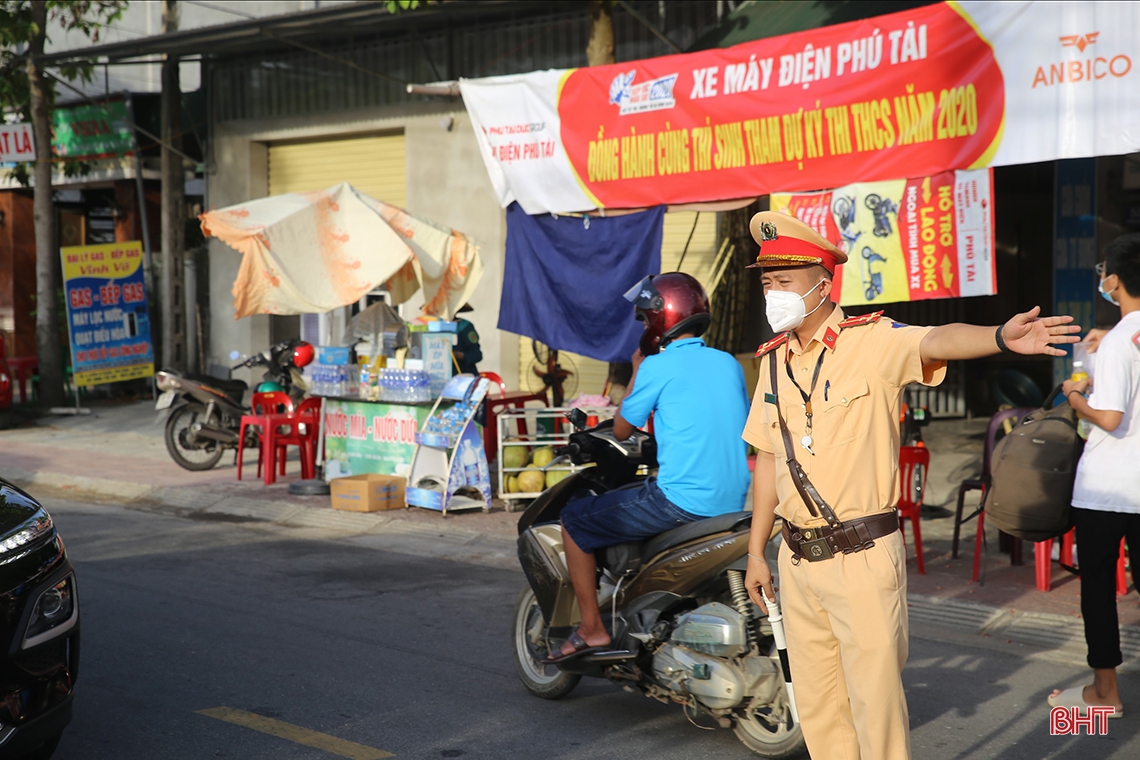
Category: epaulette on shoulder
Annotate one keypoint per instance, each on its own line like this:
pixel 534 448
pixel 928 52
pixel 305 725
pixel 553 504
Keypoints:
pixel 776 342
pixel 863 319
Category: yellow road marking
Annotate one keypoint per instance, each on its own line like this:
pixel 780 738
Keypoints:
pixel 295 734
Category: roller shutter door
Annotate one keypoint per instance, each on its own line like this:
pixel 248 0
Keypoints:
pixel 374 165
pixel 698 262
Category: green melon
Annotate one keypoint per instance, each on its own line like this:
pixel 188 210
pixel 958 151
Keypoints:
pixel 543 456
pixel 514 456
pixel 556 476
pixel 531 480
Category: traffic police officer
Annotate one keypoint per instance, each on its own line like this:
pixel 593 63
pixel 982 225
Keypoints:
pixel 835 405
pixel 467 351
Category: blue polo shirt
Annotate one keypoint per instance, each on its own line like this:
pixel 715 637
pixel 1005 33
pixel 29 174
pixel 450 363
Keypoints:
pixel 700 403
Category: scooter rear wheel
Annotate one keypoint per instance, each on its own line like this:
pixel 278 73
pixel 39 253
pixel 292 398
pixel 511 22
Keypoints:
pixel 770 732
pixel 203 456
pixel 529 641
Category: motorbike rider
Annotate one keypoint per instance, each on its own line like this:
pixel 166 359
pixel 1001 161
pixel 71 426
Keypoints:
pixel 698 398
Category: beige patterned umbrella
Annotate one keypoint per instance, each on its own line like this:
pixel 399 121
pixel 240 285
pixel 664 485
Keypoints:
pixel 307 253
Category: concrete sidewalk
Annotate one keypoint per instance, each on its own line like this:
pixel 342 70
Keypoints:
pixel 117 454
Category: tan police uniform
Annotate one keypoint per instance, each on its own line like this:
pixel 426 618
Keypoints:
pixel 845 616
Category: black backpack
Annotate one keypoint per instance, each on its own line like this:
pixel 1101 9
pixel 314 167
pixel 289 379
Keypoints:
pixel 1033 470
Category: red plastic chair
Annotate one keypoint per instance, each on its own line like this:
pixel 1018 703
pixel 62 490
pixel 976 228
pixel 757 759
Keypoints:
pixel 982 484
pixel 1043 562
pixel 495 380
pixel 302 433
pixel 911 458
pixel 265 406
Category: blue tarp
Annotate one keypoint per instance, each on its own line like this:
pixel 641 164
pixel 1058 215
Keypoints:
pixel 564 279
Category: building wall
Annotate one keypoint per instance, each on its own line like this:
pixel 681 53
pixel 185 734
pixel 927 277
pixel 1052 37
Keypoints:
pixel 447 183
pixel 143 18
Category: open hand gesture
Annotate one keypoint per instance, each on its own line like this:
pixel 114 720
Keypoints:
pixel 1031 334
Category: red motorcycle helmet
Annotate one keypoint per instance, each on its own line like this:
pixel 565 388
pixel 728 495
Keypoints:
pixel 303 354
pixel 669 304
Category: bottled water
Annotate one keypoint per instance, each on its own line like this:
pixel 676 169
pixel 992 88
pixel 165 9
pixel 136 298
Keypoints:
pixel 471 470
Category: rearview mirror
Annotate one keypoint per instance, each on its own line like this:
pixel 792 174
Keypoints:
pixel 577 418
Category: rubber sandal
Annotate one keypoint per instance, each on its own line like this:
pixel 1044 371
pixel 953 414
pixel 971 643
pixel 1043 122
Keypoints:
pixel 1075 697
pixel 580 648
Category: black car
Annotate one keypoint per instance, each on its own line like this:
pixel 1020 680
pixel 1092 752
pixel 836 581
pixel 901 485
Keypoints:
pixel 39 628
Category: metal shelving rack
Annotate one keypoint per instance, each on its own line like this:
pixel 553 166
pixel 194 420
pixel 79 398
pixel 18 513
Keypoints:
pixel 537 438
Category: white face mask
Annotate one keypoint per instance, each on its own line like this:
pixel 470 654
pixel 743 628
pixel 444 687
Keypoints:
pixel 785 309
pixel 1107 295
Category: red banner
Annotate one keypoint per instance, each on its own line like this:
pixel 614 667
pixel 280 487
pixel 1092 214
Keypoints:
pixel 910 93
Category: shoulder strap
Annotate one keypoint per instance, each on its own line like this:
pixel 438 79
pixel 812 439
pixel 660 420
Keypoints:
pixel 862 319
pixel 779 340
pixel 807 491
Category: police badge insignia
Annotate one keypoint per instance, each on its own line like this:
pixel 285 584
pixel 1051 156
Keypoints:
pixel 768 232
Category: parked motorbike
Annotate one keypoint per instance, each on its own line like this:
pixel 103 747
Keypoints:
pixel 205 416
pixel 682 625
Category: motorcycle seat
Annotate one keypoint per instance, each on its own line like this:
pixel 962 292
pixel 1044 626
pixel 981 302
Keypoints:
pixel 697 529
pixel 621 558
pixel 235 389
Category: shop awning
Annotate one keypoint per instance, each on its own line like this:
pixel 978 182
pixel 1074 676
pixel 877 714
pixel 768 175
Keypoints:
pixel 306 253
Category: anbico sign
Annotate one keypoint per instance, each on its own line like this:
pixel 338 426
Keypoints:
pixel 1083 69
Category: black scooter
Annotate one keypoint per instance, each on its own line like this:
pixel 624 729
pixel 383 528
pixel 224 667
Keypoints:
pixel 205 412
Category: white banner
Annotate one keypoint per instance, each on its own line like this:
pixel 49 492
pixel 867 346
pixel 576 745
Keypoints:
pixel 16 143
pixel 944 87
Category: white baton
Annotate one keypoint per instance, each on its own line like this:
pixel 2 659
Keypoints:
pixel 777 622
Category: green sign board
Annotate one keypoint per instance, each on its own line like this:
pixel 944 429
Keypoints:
pixel 362 437
pixel 89 130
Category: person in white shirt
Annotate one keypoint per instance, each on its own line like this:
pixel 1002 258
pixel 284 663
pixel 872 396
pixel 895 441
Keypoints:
pixel 1106 495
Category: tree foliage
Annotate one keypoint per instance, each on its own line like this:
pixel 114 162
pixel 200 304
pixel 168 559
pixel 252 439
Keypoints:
pixel 396 6
pixel 17 29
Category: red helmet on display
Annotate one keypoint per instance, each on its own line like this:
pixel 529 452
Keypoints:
pixel 303 354
pixel 669 304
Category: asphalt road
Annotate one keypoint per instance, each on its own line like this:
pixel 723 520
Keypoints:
pixel 409 655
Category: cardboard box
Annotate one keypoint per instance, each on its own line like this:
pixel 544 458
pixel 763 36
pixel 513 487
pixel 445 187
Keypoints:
pixel 368 493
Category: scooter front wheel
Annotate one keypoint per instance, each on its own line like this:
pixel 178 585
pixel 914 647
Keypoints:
pixel 529 640
pixel 195 456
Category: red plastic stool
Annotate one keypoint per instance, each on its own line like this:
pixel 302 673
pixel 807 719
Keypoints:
pixel 1043 561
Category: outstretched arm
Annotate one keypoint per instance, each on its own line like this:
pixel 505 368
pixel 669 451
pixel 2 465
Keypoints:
pixel 1027 333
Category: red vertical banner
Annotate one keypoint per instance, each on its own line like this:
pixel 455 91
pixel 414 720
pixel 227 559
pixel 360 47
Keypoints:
pixel 929 238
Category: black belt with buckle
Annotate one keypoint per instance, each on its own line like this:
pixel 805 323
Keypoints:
pixel 818 544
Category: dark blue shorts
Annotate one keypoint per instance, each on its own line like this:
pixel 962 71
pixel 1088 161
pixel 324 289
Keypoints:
pixel 627 514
